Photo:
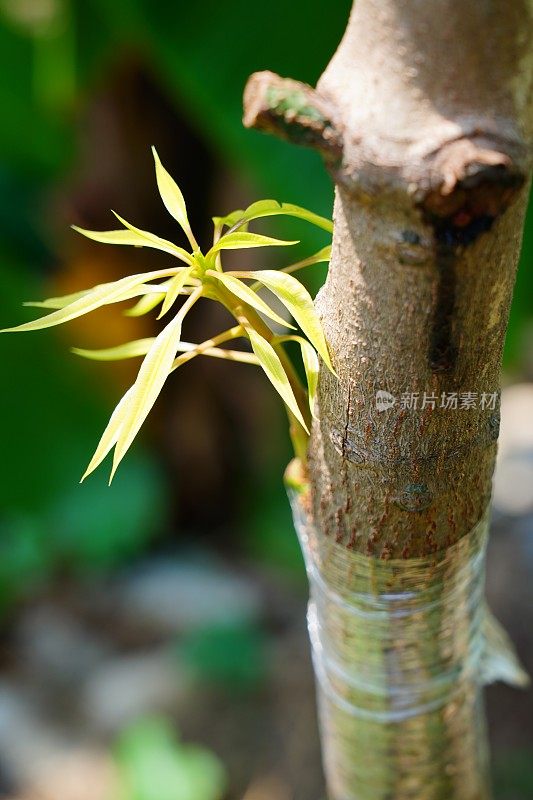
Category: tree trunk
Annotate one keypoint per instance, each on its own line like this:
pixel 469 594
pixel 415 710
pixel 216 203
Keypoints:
pixel 424 119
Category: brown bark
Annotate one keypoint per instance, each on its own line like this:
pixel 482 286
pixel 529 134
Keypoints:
pixel 430 104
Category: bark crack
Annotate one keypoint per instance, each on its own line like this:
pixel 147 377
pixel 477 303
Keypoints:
pixel 347 424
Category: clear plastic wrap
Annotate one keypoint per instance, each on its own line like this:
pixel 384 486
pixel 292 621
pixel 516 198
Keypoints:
pixel 401 649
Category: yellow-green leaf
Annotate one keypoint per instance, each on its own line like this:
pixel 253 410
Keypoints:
pixel 273 368
pixel 146 304
pixel 128 350
pixel 241 240
pixel 270 208
pixel 310 361
pixel 110 435
pixel 311 367
pixel 290 210
pixel 175 285
pixel 135 237
pixel 100 295
pixel 152 375
pixel 156 241
pixel 141 346
pixel 247 295
pixel 172 196
pixel 56 302
pixel 321 256
pixel 66 299
pixel 298 301
pixel 229 219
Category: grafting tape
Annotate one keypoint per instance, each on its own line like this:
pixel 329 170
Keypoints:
pixel 398 650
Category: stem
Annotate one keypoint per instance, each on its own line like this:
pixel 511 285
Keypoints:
pixel 232 333
pixel 428 109
pixel 299 438
pixel 191 300
pixel 192 239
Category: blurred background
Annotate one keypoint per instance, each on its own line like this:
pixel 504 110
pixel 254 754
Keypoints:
pixel 153 642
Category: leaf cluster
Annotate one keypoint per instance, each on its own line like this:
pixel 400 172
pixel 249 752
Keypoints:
pixel 175 290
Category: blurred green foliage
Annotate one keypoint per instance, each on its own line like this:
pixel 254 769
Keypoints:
pixel 231 656
pixel 154 765
pixel 513 775
pixel 268 519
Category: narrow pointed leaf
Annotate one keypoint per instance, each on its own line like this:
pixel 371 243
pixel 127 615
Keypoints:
pixel 298 301
pixel 152 375
pixel 140 347
pixel 170 194
pixel 65 300
pixel 229 219
pixel 247 295
pixel 322 255
pixel 175 285
pixel 273 368
pixel 56 302
pixel 270 208
pixel 146 304
pixel 135 237
pixel 100 295
pixel 290 210
pixel 242 239
pixel 151 240
pixel 128 350
pixel 311 366
pixel 110 435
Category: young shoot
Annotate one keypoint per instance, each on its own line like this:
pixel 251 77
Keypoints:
pixel 174 291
